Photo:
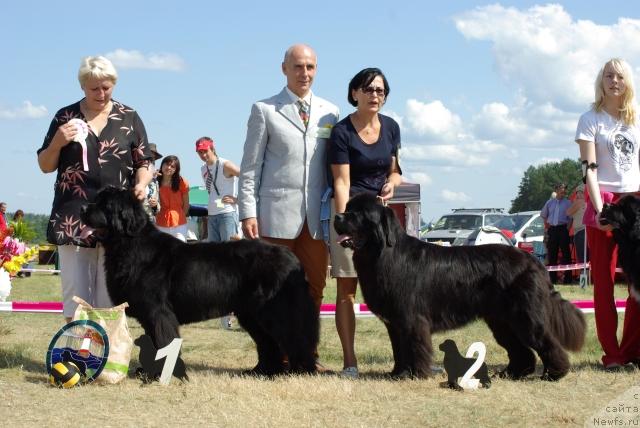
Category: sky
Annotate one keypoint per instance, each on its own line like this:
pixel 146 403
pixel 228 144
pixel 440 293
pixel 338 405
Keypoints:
pixel 481 90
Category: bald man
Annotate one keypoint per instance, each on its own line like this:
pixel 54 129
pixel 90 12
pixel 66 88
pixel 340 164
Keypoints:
pixel 284 170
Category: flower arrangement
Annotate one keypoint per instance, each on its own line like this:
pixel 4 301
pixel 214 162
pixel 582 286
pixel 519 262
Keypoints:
pixel 22 231
pixel 14 254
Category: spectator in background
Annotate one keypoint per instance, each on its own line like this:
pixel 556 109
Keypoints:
pixel 151 203
pixel 4 226
pixel 555 215
pixel 18 216
pixel 609 136
pixel 174 199
pixel 576 212
pixel 91 143
pixel 220 179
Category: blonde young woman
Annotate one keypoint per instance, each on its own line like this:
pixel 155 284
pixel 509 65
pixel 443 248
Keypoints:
pixel 608 136
pixel 363 153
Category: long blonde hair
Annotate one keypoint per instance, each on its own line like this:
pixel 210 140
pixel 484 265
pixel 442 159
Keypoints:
pixel 628 109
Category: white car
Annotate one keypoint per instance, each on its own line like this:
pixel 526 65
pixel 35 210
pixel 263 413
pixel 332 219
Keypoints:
pixel 526 231
pixel 458 227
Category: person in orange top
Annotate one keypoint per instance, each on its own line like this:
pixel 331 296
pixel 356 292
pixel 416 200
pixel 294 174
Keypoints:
pixel 174 199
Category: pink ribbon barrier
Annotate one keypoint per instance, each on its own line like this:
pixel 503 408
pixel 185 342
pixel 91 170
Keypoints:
pixel 326 310
pixel 47 307
pixel 573 266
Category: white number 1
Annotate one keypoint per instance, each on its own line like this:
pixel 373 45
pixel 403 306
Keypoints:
pixel 171 352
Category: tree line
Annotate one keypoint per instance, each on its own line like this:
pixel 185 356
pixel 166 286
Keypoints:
pixel 539 181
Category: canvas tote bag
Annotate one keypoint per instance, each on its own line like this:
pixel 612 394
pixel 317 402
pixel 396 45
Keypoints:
pixel 114 322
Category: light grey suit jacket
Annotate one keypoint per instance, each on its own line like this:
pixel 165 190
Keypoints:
pixel 284 169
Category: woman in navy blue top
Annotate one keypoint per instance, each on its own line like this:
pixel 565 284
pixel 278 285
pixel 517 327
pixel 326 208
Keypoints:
pixel 363 153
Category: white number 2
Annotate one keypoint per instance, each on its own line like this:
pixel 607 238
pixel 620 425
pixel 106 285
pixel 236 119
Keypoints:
pixel 465 381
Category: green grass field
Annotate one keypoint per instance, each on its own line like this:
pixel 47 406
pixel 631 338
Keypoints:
pixel 217 395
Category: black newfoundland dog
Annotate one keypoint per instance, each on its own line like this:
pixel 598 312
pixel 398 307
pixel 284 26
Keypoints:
pixel 168 283
pixel 624 217
pixel 417 288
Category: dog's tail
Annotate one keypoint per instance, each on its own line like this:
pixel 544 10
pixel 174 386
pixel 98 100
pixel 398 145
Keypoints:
pixel 567 323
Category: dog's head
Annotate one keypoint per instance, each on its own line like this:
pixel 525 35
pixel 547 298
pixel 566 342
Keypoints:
pixel 115 212
pixel 366 222
pixel 623 216
pixel 448 345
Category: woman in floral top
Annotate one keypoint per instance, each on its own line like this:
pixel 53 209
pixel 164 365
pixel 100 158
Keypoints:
pixel 92 143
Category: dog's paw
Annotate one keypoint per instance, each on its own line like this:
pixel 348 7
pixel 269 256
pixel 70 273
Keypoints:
pixel 451 385
pixel 486 384
pixel 552 376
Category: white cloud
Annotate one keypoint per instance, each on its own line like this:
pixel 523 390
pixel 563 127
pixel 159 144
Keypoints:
pixel 451 196
pixel 443 154
pixel 549 58
pixel 418 177
pixel 546 160
pixel 154 61
pixel 433 120
pixel 27 111
pixel 547 54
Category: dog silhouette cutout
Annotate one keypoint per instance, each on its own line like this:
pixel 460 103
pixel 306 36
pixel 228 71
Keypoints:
pixel 152 368
pixel 456 365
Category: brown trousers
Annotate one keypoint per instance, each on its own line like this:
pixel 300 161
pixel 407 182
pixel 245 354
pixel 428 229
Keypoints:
pixel 314 257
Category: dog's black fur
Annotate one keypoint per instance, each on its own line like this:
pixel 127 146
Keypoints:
pixel 417 288
pixel 624 217
pixel 168 283
pixel 456 366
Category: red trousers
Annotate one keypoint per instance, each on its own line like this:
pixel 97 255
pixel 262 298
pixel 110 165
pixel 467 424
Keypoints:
pixel 604 256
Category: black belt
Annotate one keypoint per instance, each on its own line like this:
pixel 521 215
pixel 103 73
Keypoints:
pixel 559 225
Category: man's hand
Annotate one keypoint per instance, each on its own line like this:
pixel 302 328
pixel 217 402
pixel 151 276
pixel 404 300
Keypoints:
pixel 250 228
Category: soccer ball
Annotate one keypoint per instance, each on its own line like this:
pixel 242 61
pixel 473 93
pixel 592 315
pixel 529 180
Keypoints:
pixel 65 374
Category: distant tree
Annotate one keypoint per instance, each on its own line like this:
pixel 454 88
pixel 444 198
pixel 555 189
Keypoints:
pixel 538 183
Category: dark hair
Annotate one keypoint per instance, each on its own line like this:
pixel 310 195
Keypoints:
pixel 175 179
pixel 364 79
pixel 18 214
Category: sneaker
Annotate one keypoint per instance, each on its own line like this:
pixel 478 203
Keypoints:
pixel 225 322
pixel 349 372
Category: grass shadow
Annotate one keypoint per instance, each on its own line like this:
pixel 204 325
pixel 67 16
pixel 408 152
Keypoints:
pixel 18 358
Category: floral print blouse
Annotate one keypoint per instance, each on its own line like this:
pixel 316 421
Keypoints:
pixel 113 158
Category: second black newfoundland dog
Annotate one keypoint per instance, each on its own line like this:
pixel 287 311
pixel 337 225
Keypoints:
pixel 417 288
pixel 168 282
pixel 624 217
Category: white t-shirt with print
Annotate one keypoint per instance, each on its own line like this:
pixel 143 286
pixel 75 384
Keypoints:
pixel 225 186
pixel 616 150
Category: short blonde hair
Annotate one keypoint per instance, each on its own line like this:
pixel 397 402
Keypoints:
pixel 628 109
pixel 97 67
